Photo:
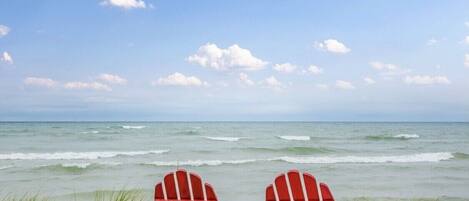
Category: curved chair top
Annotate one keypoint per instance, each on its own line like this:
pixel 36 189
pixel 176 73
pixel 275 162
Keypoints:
pixel 183 186
pixel 296 186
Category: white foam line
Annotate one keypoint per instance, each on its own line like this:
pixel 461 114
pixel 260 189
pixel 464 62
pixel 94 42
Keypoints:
pixel 75 155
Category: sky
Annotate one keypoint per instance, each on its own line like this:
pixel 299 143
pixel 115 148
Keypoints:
pixel 266 60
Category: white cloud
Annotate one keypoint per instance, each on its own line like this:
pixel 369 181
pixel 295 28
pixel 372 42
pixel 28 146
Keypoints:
pixel 466 60
pixel 178 79
pixel 344 85
pixel 6 57
pixel 322 86
pixel 369 80
pixel 388 69
pixel 466 40
pixel 243 77
pixel 273 83
pixel 285 67
pixel 87 85
pixel 426 80
pixel 332 45
pixel 466 23
pixel 40 82
pixel 126 4
pixel 315 70
pixel 211 56
pixel 112 79
pixel 4 30
pixel 432 41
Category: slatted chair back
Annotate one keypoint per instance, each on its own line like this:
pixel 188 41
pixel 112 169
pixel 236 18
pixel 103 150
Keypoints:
pixel 183 186
pixel 296 186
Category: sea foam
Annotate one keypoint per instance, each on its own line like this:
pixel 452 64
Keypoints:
pixel 406 136
pixel 133 127
pixel 226 139
pixel 295 137
pixel 197 163
pixel 422 157
pixel 75 155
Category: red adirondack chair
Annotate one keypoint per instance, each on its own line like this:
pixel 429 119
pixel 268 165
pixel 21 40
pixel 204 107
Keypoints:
pixel 183 186
pixel 296 186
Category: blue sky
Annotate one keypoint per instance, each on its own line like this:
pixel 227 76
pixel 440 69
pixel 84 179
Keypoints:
pixel 234 60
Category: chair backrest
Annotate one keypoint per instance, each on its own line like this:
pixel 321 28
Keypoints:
pixel 296 186
pixel 184 186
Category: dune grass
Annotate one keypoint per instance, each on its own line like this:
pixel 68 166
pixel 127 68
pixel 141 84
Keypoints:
pixel 121 195
pixel 25 197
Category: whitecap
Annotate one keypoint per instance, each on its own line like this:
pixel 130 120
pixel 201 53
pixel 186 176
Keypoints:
pixel 77 165
pixel 422 157
pixel 295 137
pixel 197 163
pixel 227 139
pixel 92 132
pixel 133 127
pixel 406 136
pixel 75 155
pixel 6 167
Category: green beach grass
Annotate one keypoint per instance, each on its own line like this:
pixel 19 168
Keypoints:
pixel 121 195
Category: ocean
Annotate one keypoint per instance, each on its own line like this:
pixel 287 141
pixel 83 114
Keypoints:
pixel 359 161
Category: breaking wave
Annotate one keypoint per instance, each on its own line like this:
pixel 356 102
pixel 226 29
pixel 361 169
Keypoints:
pixel 133 127
pixel 412 158
pixel 423 157
pixel 226 139
pixel 6 167
pixel 295 137
pixel 75 155
pixel 197 163
pixel 293 150
pixel 394 137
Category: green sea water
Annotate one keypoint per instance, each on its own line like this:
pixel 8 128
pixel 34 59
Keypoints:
pixel 359 161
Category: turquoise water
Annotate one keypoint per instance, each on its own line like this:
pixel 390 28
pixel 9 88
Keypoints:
pixel 359 161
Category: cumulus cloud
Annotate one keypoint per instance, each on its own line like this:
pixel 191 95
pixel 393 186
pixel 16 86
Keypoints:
pixel 285 67
pixel 466 23
pixel 272 82
pixel 466 40
pixel 466 60
pixel 126 4
pixel 315 70
pixel 341 84
pixel 369 80
pixel 6 57
pixel 112 79
pixel 179 79
pixel 426 80
pixel 211 56
pixel 388 69
pixel 332 45
pixel 39 82
pixel 4 30
pixel 87 85
pixel 244 79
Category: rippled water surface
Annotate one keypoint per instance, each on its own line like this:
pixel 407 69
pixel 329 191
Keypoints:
pixel 359 161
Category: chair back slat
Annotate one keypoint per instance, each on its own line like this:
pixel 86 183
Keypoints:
pixel 269 193
pixel 159 191
pixel 282 189
pixel 326 193
pixel 296 185
pixel 197 187
pixel 170 186
pixel 311 187
pixel 183 185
